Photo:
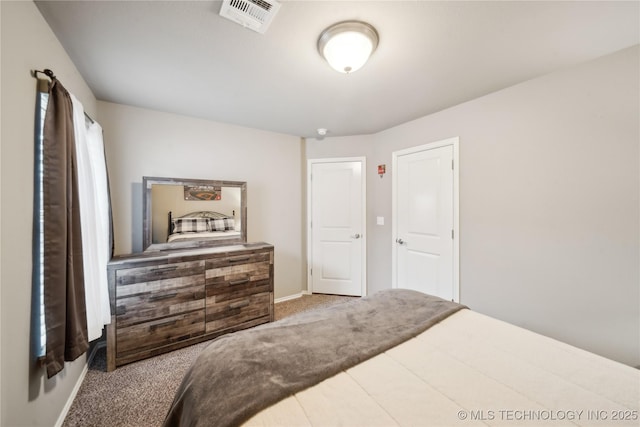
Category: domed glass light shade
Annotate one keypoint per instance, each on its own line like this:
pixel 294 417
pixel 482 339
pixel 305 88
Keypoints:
pixel 347 45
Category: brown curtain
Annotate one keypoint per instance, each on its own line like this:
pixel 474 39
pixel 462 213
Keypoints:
pixel 64 303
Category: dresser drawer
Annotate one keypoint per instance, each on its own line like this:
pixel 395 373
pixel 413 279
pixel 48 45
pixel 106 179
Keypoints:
pixel 236 311
pixel 147 293
pixel 237 281
pixel 153 305
pixel 145 337
pixel 142 279
pixel 237 259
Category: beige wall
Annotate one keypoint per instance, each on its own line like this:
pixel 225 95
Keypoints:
pixel 142 142
pixel 28 398
pixel 549 202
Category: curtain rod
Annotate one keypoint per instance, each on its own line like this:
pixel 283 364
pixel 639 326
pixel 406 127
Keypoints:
pixel 47 72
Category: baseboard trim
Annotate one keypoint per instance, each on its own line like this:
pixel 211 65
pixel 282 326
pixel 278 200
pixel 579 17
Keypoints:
pixel 288 298
pixel 76 388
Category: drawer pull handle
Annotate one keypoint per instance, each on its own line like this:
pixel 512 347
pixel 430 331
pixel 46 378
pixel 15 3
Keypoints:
pixel 243 259
pixel 238 282
pixel 166 268
pixel 239 304
pixel 160 325
pixel 161 297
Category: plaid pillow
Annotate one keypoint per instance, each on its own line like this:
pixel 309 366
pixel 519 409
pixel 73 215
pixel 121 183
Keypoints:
pixel 222 224
pixel 190 225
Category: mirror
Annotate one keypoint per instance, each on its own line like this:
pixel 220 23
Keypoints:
pixel 185 213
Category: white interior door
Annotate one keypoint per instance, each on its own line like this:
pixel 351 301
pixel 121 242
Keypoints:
pixel 425 213
pixel 337 227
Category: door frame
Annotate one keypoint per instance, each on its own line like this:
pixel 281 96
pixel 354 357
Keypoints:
pixel 363 219
pixel 454 142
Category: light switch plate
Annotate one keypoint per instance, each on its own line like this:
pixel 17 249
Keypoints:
pixel 380 220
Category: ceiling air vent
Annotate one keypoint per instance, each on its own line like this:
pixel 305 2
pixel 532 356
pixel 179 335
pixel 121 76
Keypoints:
pixel 253 14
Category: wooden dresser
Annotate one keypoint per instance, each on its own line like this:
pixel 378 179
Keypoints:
pixel 162 301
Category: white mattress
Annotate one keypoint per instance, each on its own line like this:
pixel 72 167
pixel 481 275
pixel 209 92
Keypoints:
pixel 205 235
pixel 470 370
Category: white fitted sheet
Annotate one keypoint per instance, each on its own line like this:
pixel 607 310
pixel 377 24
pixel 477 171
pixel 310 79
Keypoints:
pixel 470 370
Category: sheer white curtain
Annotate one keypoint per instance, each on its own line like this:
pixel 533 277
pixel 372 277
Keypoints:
pixel 94 218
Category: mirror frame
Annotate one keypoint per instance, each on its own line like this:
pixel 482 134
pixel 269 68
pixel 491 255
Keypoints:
pixel 147 238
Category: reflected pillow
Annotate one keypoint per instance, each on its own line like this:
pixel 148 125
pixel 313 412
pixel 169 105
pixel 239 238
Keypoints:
pixel 190 225
pixel 221 224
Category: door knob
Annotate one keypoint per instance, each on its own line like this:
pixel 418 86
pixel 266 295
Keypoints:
pixel 400 241
pixel 356 236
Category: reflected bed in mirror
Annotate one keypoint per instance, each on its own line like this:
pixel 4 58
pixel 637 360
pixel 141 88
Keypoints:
pixel 185 213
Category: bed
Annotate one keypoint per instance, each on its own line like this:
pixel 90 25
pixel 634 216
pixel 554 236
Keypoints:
pixel 401 358
pixel 201 225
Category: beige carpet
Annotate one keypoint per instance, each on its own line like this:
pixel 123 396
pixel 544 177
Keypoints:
pixel 306 302
pixel 139 394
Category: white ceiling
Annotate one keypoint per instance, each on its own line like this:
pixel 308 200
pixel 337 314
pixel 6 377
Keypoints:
pixel 182 57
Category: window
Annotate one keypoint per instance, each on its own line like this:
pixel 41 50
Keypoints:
pixel 66 198
pixel 40 334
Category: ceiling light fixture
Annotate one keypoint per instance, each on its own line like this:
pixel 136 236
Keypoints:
pixel 347 45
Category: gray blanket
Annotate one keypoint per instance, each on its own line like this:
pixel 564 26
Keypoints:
pixel 239 374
